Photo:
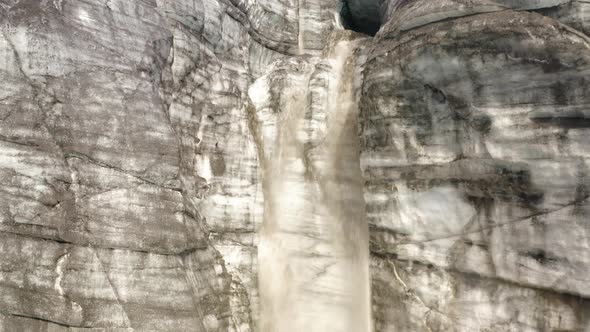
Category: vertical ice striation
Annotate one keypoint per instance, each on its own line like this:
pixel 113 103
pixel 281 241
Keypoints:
pixel 313 251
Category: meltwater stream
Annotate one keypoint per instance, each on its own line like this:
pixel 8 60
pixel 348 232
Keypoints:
pixel 313 250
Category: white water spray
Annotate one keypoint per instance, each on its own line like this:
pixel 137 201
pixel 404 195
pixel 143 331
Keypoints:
pixel 313 250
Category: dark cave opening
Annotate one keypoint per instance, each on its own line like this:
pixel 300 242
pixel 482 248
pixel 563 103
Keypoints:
pixel 359 17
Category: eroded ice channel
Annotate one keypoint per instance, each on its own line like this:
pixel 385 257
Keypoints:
pixel 313 250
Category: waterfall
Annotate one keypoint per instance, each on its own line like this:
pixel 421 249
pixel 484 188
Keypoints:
pixel 301 26
pixel 313 249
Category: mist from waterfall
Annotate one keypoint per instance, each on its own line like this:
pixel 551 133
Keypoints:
pixel 313 249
